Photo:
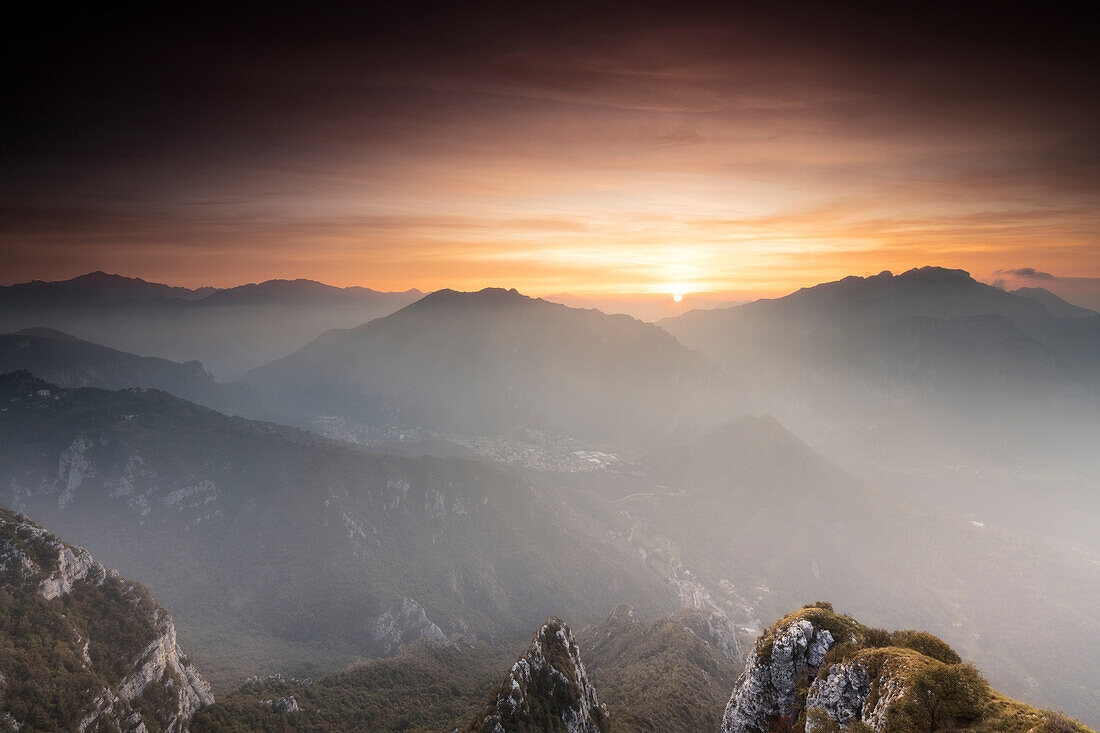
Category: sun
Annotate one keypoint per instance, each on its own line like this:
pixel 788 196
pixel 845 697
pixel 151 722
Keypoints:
pixel 677 297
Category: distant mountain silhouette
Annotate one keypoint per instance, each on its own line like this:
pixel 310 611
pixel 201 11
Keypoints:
pixel 923 368
pixel 68 361
pixel 488 361
pixel 297 291
pixel 94 288
pixel 1057 306
pixel 230 330
pixel 930 292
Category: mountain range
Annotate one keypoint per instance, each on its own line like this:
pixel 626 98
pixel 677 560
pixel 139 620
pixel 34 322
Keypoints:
pixel 937 385
pixel 525 459
pixel 278 550
pixel 229 330
pixel 69 362
pixel 486 362
pixel 274 546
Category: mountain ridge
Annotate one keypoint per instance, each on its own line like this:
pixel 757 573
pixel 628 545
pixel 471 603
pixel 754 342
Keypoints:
pixel 483 362
pixel 83 648
pixel 275 543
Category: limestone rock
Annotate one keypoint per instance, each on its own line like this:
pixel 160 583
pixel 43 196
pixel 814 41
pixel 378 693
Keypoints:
pixel 768 688
pixel 35 563
pixel 840 694
pixel 287 704
pixel 403 623
pixel 546 690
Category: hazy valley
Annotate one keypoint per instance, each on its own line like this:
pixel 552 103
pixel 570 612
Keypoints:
pixel 450 475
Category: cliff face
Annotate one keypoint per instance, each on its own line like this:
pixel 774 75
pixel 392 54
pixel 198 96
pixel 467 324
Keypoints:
pixel 110 649
pixel 546 690
pixel 401 624
pixel 767 690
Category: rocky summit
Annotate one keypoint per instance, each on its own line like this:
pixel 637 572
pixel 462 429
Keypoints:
pixel 547 689
pixel 818 671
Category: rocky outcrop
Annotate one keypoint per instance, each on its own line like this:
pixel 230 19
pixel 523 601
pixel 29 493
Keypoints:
pixel 288 704
pixel 401 624
pixel 767 691
pixel 74 565
pixel 840 694
pixel 32 557
pixel 547 689
pixel 75 597
pixel 874 680
pixel 162 662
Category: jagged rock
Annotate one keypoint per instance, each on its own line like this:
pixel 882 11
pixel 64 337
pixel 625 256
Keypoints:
pixel 768 688
pixel 547 689
pixel 163 660
pixel 34 563
pixel 885 681
pixel 74 565
pixel 843 691
pixel 287 704
pixel 840 694
pixel 403 623
pixel 30 554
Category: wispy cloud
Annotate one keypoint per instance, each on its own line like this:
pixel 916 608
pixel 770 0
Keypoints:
pixel 721 149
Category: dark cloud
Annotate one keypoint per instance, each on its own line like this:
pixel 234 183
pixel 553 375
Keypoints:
pixel 1027 273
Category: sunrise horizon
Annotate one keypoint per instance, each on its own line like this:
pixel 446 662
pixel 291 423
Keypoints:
pixel 550 367
pixel 1080 291
pixel 749 148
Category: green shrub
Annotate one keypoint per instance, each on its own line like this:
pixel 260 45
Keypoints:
pixel 926 644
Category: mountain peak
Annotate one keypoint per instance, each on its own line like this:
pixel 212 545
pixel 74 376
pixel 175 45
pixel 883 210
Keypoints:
pixel 486 297
pixel 50 333
pixel 931 273
pixel 547 689
pixel 101 276
pixel 1056 305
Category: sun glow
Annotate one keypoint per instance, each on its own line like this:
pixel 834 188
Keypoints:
pixel 677 297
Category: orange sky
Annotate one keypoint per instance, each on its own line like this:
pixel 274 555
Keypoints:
pixel 746 152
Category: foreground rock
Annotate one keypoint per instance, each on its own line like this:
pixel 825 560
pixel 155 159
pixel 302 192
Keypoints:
pixel 84 649
pixel 821 672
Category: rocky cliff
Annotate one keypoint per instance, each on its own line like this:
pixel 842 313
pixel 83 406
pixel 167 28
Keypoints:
pixel 820 672
pixel 401 624
pixel 768 690
pixel 83 649
pixel 547 689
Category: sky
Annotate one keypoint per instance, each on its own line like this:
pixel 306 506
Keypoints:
pixel 742 149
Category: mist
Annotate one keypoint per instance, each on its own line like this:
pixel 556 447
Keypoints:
pixel 550 368
pixel 915 447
